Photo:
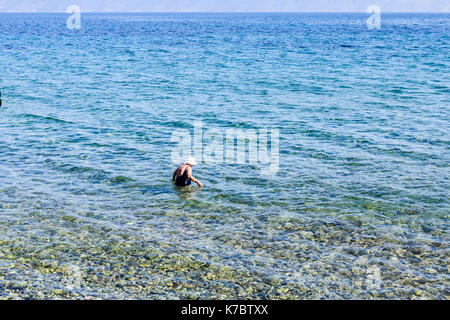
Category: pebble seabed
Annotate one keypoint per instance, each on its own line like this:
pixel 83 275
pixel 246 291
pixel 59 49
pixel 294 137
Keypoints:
pixel 162 256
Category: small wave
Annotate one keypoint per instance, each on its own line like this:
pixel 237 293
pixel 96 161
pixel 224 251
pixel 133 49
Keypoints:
pixel 120 179
pixel 44 118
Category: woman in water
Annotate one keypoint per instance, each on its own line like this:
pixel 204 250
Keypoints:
pixel 183 175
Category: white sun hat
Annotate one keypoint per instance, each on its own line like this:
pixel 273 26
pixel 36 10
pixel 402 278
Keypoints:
pixel 191 161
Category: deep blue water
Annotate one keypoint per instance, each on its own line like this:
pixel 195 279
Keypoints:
pixel 358 209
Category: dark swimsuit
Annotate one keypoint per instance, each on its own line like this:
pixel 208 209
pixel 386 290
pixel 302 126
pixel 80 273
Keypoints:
pixel 183 180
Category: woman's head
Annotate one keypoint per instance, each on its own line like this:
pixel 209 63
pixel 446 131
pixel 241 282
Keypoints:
pixel 190 161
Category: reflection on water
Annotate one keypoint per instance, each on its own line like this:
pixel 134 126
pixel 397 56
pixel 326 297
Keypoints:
pixel 186 193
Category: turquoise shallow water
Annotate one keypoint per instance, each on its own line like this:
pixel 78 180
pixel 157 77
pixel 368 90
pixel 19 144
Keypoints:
pixel 358 209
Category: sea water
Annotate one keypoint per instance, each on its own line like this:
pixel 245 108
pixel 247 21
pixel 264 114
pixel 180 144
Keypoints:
pixel 357 209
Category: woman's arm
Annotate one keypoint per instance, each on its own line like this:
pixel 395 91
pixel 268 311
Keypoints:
pixel 174 175
pixel 189 175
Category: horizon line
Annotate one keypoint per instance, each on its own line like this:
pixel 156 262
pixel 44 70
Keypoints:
pixel 137 11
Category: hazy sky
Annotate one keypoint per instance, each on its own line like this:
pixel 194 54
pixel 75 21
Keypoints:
pixel 225 5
